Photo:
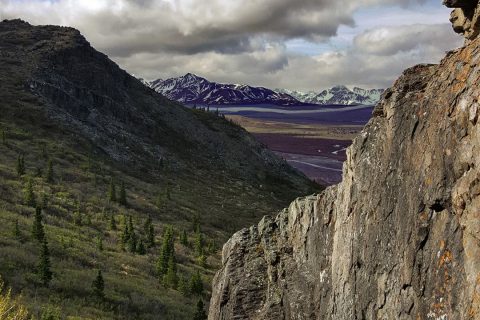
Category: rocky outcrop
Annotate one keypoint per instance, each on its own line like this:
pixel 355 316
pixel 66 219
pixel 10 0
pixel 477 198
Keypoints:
pixel 465 18
pixel 398 238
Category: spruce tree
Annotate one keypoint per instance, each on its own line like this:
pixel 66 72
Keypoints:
pixel 37 227
pixel 20 165
pixel 125 233
pixel 183 286
pixel 29 195
pixel 151 237
pixel 200 313
pixel 171 279
pixel 132 242
pixel 196 284
pixel 112 193
pixel 49 174
pixel 198 244
pixel 98 285
pixel 184 238
pixel 141 250
pixel 113 223
pixel 44 269
pixel 166 251
pixel 122 199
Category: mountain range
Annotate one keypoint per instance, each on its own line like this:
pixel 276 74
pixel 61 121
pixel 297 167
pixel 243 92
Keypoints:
pixel 337 95
pixel 192 89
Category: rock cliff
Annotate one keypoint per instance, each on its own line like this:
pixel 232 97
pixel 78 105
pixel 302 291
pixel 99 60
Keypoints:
pixel 398 238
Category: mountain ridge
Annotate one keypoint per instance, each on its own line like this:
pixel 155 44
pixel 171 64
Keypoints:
pixel 192 89
pixel 103 156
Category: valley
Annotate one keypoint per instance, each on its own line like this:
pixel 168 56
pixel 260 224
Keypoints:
pixel 311 139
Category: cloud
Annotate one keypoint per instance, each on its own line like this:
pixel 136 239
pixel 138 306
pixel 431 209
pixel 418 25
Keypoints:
pixel 245 41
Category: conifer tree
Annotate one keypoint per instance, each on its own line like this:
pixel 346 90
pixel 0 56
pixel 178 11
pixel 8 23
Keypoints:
pixel 183 286
pixel 171 278
pixel 132 242
pixel 166 251
pixel 29 195
pixel 98 285
pixel 151 237
pixel 122 198
pixel 126 233
pixel 37 227
pixel 196 284
pixel 49 174
pixel 20 165
pixel 200 313
pixel 44 269
pixel 141 250
pixel 198 244
pixel 77 218
pixel 112 193
pixel 16 230
pixel 184 238
pixel 113 223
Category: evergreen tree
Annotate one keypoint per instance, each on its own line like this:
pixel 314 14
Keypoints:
pixel 166 251
pixel 112 193
pixel 202 260
pixel 198 244
pixel 132 242
pixel 141 250
pixel 196 223
pixel 44 269
pixel 151 237
pixel 184 238
pixel 200 313
pixel 171 278
pixel 196 284
pixel 98 285
pixel 37 227
pixel 125 234
pixel 29 195
pixel 16 231
pixel 122 199
pixel 183 286
pixel 113 223
pixel 20 165
pixel 49 174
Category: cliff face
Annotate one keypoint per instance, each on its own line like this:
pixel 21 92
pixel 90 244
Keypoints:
pixel 399 238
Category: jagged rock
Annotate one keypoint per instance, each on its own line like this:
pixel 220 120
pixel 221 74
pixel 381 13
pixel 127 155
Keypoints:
pixel 465 17
pixel 398 238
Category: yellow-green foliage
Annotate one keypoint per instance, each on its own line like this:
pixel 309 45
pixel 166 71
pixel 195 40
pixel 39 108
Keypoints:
pixel 10 308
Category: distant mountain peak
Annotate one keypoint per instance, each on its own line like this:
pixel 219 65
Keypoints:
pixel 192 89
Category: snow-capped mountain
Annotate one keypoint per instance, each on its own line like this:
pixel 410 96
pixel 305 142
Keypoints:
pixel 299 95
pixel 338 95
pixel 192 89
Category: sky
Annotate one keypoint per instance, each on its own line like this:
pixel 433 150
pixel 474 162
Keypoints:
pixel 293 44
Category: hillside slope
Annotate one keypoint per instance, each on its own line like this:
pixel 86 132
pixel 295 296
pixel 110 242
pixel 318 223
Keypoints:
pixel 398 238
pixel 79 126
